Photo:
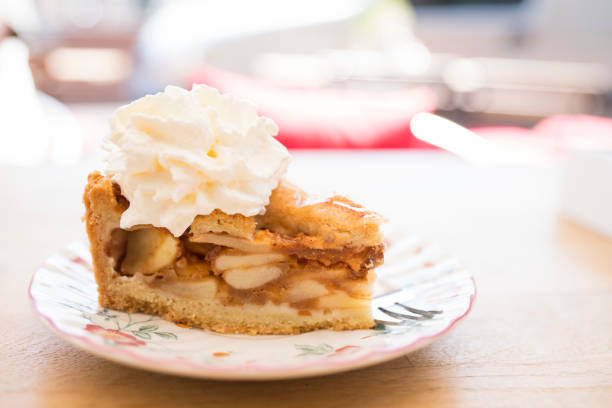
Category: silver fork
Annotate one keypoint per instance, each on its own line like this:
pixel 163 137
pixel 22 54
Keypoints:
pixel 403 318
pixel 404 252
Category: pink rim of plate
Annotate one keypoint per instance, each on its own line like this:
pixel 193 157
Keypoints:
pixel 188 368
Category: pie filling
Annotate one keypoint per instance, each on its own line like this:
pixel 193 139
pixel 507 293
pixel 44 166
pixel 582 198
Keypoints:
pixel 269 268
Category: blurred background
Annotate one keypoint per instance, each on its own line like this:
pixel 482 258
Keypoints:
pixel 352 85
pixel 532 75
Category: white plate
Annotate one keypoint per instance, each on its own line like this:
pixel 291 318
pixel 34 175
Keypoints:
pixel 64 296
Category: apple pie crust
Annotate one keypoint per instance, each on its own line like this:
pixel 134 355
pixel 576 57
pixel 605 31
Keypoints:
pixel 305 264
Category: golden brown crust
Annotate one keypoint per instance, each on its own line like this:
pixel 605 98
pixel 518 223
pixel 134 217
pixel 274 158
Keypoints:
pixel 219 222
pixel 331 222
pixel 336 221
pixel 103 209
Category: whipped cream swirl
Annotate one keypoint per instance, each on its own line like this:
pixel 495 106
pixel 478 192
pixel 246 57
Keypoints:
pixel 178 154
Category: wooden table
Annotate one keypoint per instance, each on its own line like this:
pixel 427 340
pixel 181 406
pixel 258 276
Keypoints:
pixel 540 333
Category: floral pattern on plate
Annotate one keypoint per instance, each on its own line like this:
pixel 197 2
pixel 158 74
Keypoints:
pixel 64 295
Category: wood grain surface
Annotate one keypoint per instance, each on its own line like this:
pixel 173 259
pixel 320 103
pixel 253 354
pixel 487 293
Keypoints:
pixel 540 334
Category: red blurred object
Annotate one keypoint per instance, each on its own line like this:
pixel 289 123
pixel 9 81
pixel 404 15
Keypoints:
pixel 576 131
pixel 353 119
pixel 558 134
pixel 329 118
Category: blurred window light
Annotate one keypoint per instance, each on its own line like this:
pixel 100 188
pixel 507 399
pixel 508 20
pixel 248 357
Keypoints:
pixel 410 59
pixel 23 140
pixel 464 75
pixel 528 87
pixel 293 69
pixel 537 73
pixel 463 2
pixel 452 137
pixel 88 64
pixel 363 62
pixel 20 15
pixel 84 14
pixel 334 65
pixel 36 126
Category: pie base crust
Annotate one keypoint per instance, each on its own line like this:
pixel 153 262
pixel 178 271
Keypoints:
pixel 130 295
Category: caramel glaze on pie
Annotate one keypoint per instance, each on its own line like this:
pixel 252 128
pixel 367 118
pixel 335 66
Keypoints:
pixel 334 275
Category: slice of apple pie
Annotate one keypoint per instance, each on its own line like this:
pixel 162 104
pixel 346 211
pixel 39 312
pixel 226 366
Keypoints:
pixel 303 264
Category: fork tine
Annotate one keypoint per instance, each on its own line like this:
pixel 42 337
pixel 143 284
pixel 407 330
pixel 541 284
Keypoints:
pixel 427 313
pixel 388 323
pixel 402 315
